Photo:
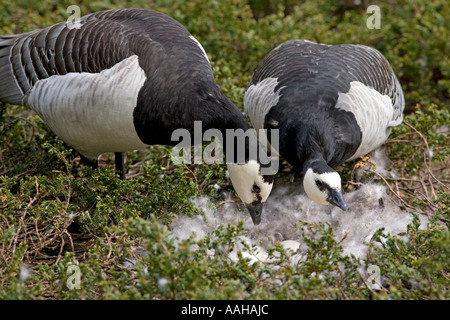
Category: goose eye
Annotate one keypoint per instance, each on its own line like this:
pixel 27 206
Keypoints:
pixel 256 189
pixel 319 184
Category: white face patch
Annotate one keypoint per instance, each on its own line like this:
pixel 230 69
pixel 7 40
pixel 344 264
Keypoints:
pixel 244 177
pixel 332 179
pixel 201 47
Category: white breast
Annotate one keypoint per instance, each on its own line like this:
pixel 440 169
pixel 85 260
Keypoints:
pixel 373 112
pixel 92 112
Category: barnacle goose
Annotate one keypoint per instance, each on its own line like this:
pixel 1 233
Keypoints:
pixel 120 80
pixel 331 104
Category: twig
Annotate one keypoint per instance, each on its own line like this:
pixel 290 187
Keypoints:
pixel 390 188
pixel 195 178
pixel 61 247
pixel 420 134
pixel 71 240
pixel 21 223
pixel 110 246
pixel 225 201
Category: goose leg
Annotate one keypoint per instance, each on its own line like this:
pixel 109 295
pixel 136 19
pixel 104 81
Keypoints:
pixel 120 164
pixel 2 108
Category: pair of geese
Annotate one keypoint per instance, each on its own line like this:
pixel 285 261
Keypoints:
pixel 123 79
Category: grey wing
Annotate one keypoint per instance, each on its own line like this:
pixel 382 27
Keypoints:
pixel 56 50
pixel 306 66
pixel 288 56
pixel 370 67
pixel 289 65
pixel 99 42
pixel 398 101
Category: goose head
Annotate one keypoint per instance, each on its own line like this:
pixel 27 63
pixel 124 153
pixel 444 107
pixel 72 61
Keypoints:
pixel 251 186
pixel 322 184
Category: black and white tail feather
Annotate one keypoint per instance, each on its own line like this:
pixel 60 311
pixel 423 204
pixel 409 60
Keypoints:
pixel 331 103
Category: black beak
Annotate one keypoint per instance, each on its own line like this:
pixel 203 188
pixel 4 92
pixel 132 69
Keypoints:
pixel 255 212
pixel 336 198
